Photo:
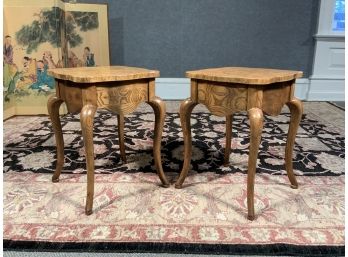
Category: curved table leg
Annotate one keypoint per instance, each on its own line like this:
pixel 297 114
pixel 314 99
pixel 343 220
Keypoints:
pixel 186 108
pixel 228 139
pixel 53 105
pixel 256 124
pixel 87 117
pixel 159 109
pixel 296 110
pixel 120 128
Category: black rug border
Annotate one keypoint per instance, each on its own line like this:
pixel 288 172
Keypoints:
pixel 337 106
pixel 177 248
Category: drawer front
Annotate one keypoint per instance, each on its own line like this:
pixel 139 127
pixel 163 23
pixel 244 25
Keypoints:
pixel 122 99
pixel 223 99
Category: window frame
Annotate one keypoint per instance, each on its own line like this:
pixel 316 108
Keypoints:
pixel 326 15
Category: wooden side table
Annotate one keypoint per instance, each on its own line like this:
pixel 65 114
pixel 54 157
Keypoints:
pixel 227 90
pixel 119 89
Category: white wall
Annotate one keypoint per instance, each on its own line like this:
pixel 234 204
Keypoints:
pixel 179 88
pixel 327 79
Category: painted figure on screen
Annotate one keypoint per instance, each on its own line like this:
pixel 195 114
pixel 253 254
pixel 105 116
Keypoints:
pixel 28 75
pixel 45 28
pixel 37 39
pixel 10 69
pixel 44 83
pixel 88 57
pixel 8 50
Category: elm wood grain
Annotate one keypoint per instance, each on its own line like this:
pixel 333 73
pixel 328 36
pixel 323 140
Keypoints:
pixel 123 98
pixel 87 118
pixel 159 109
pixel 53 105
pixel 256 123
pixel 275 96
pixel 186 108
pixel 228 139
pixel 120 128
pixel 86 95
pixel 255 96
pixel 296 111
pixel 151 90
pixel 102 74
pixel 244 75
pixel 72 96
pixel 225 91
pixel 220 98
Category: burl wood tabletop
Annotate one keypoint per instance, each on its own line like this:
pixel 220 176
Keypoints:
pixel 102 74
pixel 244 75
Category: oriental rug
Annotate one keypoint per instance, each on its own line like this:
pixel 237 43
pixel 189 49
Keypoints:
pixel 133 212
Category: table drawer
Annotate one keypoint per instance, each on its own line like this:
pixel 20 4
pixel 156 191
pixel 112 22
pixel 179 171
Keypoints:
pixel 222 98
pixel 122 99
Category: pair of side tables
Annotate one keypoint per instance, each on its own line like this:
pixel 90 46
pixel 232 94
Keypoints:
pixel 224 91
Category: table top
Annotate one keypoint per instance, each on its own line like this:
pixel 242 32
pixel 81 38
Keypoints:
pixel 244 75
pixel 102 74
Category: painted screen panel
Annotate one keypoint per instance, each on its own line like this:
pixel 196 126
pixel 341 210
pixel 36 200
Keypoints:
pixel 43 35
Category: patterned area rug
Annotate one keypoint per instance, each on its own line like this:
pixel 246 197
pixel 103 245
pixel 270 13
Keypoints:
pixel 131 210
pixel 319 150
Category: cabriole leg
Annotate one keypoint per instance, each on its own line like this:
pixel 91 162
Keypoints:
pixel 229 119
pixel 87 117
pixel 186 108
pixel 296 110
pixel 53 105
pixel 256 125
pixel 120 128
pixel 159 109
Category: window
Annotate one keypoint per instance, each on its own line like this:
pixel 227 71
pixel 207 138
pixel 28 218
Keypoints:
pixel 339 16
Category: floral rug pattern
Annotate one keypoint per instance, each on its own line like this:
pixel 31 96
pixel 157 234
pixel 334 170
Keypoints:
pixel 131 206
pixel 211 209
pixel 318 150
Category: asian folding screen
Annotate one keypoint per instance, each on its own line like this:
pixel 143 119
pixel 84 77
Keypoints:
pixel 47 34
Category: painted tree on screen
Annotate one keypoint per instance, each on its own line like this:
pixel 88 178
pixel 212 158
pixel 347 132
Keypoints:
pixel 48 26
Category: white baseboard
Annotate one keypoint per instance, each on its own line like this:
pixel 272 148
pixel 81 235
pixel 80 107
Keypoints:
pixel 173 88
pixel 301 88
pixel 179 88
pixel 326 89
